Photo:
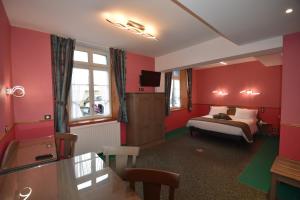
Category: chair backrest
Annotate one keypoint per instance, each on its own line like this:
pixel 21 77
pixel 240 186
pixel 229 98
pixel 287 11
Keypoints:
pixel 121 153
pixel 68 141
pixel 152 180
pixel 8 151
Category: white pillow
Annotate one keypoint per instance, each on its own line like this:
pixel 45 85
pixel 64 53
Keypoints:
pixel 246 113
pixel 218 109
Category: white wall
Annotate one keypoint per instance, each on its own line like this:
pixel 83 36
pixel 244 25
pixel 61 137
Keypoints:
pixel 215 50
pixel 161 88
pixel 271 60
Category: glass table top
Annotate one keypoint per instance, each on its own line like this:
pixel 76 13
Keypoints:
pixel 81 177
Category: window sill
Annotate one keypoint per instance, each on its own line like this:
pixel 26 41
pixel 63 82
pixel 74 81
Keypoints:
pixel 177 109
pixel 90 121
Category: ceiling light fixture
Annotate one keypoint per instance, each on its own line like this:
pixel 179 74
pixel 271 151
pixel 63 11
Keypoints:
pixel 122 22
pixel 223 63
pixel 289 10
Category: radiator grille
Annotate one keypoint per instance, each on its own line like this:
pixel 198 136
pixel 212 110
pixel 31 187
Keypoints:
pixel 91 138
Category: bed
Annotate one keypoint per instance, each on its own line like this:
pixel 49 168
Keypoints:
pixel 243 124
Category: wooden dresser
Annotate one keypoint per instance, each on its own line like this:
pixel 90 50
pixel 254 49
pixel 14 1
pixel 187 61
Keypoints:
pixel 146 114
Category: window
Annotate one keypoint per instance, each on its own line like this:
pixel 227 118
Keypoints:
pixel 175 90
pixel 90 94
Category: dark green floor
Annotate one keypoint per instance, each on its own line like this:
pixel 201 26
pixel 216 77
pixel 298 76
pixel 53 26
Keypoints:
pixel 176 133
pixel 257 173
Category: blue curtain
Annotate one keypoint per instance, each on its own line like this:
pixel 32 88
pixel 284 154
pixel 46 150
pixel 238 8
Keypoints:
pixel 118 63
pixel 189 73
pixel 168 82
pixel 62 66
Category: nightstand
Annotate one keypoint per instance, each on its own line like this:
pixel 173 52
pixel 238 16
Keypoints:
pixel 264 128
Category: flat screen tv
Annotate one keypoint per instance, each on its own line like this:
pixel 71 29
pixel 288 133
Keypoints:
pixel 150 78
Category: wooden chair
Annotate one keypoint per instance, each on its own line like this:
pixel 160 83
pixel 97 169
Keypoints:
pixel 8 151
pixel 122 153
pixel 68 141
pixel 152 181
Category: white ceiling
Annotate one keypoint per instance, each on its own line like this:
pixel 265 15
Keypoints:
pixel 241 21
pixel 244 21
pixel 83 20
pixel 269 60
pixel 228 62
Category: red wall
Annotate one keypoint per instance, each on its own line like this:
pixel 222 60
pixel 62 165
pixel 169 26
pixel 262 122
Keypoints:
pixel 290 107
pixel 31 68
pixel 31 61
pixel 179 118
pixel 134 64
pixel 6 106
pixel 233 79
pixel 237 77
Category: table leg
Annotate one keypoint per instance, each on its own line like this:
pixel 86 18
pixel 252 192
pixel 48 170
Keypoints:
pixel 273 188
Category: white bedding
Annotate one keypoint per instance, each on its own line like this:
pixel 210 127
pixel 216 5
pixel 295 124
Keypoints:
pixel 223 128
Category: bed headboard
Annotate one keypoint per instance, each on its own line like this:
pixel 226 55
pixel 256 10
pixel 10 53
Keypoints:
pixel 231 110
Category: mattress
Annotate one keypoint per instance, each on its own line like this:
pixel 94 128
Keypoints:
pixel 223 128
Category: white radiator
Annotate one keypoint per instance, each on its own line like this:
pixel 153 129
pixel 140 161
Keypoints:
pixel 92 137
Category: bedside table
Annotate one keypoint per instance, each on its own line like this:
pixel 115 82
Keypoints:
pixel 264 128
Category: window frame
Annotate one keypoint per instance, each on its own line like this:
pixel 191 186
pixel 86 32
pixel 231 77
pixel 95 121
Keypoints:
pixel 90 66
pixel 172 107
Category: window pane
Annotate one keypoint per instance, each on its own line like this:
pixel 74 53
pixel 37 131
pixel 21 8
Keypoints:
pixel 80 93
pixel 80 76
pixel 175 93
pixel 171 94
pixel 99 59
pixel 81 56
pixel 101 77
pixel 176 73
pixel 101 93
pixel 102 102
pixel 84 87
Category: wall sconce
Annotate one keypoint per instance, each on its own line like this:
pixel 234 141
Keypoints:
pixel 249 92
pixel 17 91
pixel 220 92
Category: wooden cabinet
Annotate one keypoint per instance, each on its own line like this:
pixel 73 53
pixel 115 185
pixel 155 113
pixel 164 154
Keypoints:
pixel 146 114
